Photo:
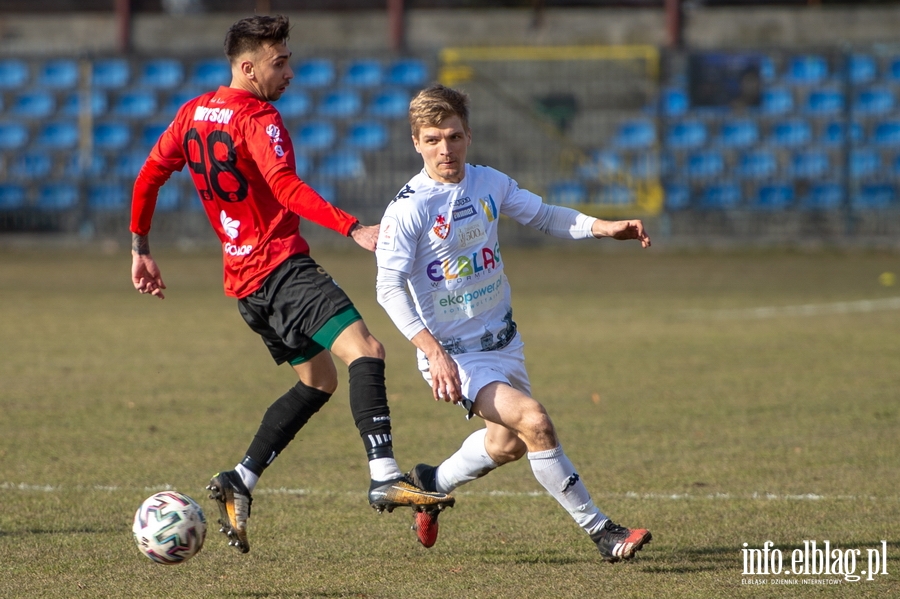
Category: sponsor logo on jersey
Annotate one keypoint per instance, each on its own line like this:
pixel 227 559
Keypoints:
pixel 464 213
pixel 404 193
pixel 441 227
pixel 461 202
pixel 229 225
pixel 231 228
pixel 490 208
pixel 387 234
pixel 213 115
pixel 274 132
pixel 468 301
pixel 467 265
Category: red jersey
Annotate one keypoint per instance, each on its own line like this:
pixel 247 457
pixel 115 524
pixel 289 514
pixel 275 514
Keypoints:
pixel 241 160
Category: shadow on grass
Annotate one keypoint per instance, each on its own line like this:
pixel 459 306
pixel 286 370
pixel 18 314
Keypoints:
pixel 78 530
pixel 302 594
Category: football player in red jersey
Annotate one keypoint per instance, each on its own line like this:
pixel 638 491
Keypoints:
pixel 241 159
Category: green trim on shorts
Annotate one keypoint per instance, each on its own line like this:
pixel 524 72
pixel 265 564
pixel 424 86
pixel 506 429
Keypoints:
pixel 325 336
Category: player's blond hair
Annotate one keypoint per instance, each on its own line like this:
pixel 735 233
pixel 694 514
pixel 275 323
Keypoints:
pixel 435 104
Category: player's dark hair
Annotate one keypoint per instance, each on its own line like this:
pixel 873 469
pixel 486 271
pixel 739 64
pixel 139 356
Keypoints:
pixel 250 34
pixel 435 104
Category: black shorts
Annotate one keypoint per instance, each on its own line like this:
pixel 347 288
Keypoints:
pixel 293 304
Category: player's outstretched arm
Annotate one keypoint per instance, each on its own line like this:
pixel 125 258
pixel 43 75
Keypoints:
pixel 621 230
pixel 145 273
pixel 365 236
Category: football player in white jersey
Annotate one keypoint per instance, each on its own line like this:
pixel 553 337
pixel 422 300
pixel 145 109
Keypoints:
pixel 438 238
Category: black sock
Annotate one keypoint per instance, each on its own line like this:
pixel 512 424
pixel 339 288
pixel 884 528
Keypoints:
pixel 369 406
pixel 280 424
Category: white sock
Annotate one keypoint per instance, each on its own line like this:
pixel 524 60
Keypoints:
pixel 470 461
pixel 382 469
pixel 250 479
pixel 557 474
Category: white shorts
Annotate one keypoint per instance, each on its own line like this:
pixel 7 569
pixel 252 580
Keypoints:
pixel 479 369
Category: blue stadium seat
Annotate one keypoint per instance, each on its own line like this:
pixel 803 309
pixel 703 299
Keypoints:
pixel 645 166
pixel 340 103
pixel 389 103
pixel 874 101
pixel 94 166
pixel 776 101
pixel 834 133
pixel 767 71
pixel 293 104
pixel 14 73
pixel 12 196
pixel 363 73
pixel 678 196
pixel 614 195
pixel 107 197
pixel 824 102
pixel 57 196
pixel 874 196
pixel 13 136
pixel 303 163
pixel 110 73
pixel 566 193
pixel 342 164
pixel 30 165
pixel 810 164
pixel 823 196
pixel 807 69
pixel 367 136
pixel 686 134
pixel 791 133
pixel 58 74
pixel 316 135
pixel 636 134
pixel 57 135
pixel 757 164
pixel 862 69
pixel 72 103
pixel 169 198
pixel 407 72
pixel 705 164
pixel 720 196
pixel 738 133
pixel 674 102
pixel 163 73
pixel 135 104
pixel 36 104
pixel 150 133
pixel 315 73
pixel 210 74
pixel 326 189
pixel 128 164
pixel 176 99
pixel 774 196
pixel 864 162
pixel 600 163
pixel 111 136
pixel 887 133
pixel 892 73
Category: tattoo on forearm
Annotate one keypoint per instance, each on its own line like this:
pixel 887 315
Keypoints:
pixel 140 244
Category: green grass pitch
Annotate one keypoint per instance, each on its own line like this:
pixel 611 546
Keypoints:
pixel 717 398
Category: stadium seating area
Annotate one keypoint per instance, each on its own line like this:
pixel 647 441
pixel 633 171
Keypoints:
pixel 826 134
pixel 73 134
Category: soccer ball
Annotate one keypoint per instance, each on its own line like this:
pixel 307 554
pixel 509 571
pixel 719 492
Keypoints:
pixel 169 527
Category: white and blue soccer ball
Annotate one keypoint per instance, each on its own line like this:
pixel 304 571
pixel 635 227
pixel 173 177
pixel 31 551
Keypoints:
pixel 169 527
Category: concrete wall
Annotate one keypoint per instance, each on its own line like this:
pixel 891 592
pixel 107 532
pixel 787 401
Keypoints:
pixel 428 30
